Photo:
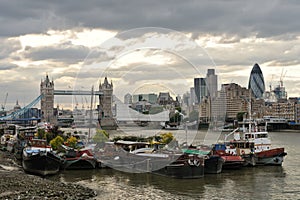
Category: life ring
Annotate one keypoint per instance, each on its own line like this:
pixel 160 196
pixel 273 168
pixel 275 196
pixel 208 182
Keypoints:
pixel 196 162
pixel 190 162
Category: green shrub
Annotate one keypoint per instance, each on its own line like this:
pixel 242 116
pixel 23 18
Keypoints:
pixel 72 141
pixel 56 142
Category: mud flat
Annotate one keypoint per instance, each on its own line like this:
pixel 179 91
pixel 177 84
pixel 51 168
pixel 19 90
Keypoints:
pixel 16 184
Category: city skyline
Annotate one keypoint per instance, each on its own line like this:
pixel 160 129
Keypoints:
pixel 65 40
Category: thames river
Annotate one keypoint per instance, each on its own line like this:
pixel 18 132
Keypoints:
pixel 261 182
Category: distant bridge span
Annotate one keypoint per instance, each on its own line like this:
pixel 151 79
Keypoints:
pixel 77 92
pixel 18 113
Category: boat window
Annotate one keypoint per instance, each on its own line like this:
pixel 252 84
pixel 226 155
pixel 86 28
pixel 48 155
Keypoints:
pixel 262 136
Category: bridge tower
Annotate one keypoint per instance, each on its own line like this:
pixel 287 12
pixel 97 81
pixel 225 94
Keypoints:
pixel 106 120
pixel 47 101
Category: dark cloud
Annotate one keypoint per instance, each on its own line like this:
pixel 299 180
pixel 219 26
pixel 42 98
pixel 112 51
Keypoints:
pixel 29 16
pixel 231 21
pixel 8 47
pixel 62 53
pixel 265 18
pixel 7 66
pixel 97 55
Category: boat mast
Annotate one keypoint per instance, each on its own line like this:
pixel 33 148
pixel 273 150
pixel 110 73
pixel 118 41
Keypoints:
pixel 91 113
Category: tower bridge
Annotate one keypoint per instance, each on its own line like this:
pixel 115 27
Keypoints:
pixel 104 108
pixel 77 92
pixel 105 116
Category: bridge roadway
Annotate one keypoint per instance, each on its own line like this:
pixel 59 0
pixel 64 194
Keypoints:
pixel 76 92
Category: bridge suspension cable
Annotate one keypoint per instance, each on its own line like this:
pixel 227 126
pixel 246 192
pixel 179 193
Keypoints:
pixel 17 113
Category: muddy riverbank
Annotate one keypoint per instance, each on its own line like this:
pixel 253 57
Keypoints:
pixel 16 184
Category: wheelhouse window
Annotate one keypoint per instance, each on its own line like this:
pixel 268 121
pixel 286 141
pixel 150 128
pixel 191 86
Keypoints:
pixel 263 135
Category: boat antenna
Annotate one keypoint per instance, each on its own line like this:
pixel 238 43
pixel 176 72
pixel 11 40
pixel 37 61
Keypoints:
pixel 91 114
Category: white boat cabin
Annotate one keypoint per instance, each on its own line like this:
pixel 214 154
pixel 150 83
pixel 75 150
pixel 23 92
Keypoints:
pixel 261 140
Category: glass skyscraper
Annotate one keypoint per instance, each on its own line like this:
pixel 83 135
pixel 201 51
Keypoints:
pixel 211 82
pixel 206 86
pixel 256 81
pixel 200 88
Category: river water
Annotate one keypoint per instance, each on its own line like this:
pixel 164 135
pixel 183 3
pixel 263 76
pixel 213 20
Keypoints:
pixel 261 182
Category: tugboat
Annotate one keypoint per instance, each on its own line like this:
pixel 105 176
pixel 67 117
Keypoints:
pixel 38 158
pixel 258 142
pixel 266 155
pixel 256 145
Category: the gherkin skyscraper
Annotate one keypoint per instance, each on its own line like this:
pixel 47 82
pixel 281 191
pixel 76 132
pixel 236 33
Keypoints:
pixel 256 81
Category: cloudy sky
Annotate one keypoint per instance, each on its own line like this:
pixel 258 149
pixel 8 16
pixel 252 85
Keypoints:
pixel 144 46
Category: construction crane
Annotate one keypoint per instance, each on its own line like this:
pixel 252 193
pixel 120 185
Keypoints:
pixel 282 77
pixel 3 105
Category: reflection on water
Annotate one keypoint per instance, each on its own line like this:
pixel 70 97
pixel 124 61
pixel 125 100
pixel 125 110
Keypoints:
pixel 261 182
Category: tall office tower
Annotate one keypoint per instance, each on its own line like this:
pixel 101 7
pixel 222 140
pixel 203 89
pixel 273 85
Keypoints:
pixel 192 97
pixel 256 81
pixel 211 82
pixel 200 88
